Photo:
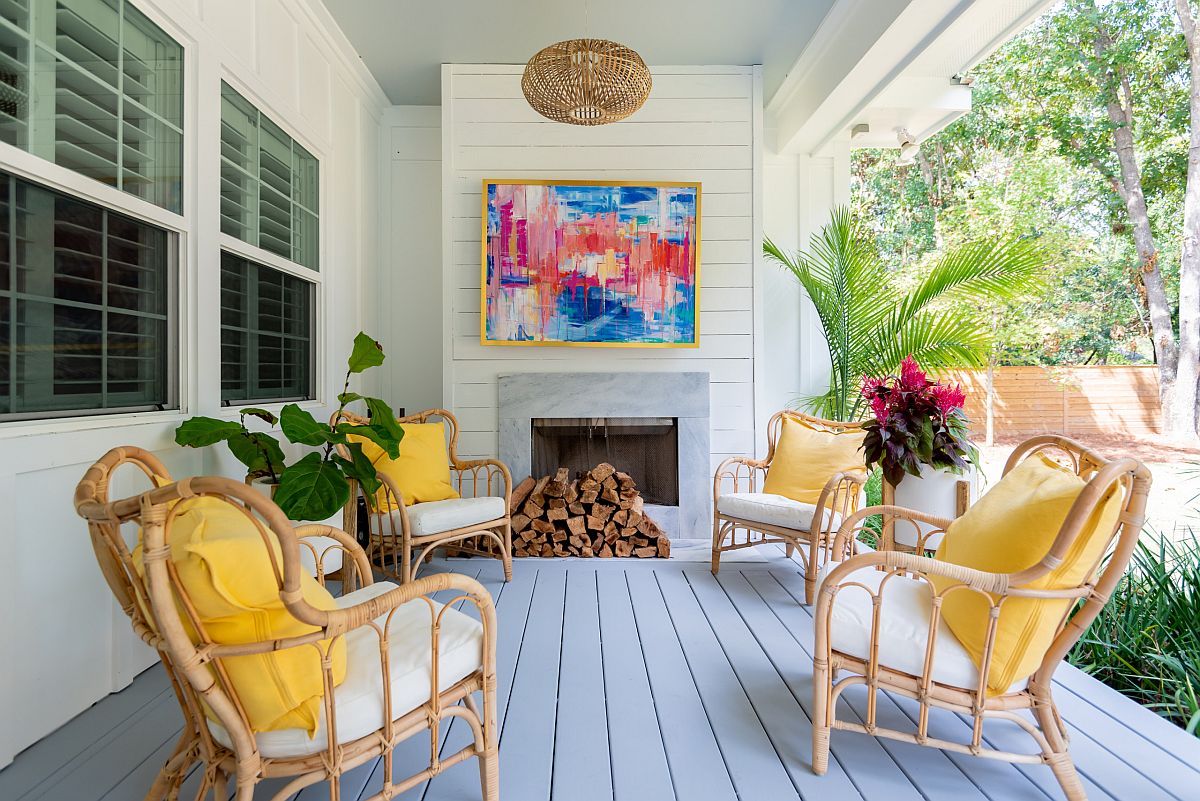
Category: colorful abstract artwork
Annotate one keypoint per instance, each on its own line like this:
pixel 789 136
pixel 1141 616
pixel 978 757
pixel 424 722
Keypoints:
pixel 590 264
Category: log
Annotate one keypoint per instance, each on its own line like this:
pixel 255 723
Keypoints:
pixel 602 471
pixel 521 491
pixel 598 513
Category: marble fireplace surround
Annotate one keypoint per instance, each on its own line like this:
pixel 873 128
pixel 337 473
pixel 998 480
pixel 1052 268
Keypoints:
pixel 684 396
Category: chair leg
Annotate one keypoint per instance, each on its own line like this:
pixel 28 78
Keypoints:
pixel 1058 757
pixel 789 549
pixel 820 719
pixel 506 554
pixel 489 775
pixel 166 783
pixel 716 545
pixel 810 571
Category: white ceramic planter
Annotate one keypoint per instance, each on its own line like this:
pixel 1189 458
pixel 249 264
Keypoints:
pixel 935 492
pixel 332 557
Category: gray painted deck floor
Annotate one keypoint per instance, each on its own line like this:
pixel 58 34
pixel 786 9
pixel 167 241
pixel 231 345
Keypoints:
pixel 650 681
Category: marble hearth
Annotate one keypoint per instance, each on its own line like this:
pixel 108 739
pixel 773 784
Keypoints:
pixel 524 397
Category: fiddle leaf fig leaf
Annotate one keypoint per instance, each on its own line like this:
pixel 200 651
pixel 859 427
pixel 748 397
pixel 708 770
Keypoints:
pixel 365 354
pixel 260 453
pixel 300 427
pixel 383 419
pixel 312 489
pixel 359 468
pixel 199 432
pixel 373 433
pixel 261 414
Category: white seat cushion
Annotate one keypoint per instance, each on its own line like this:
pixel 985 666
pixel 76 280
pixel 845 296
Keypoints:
pixel 358 700
pixel 903 627
pixel 773 510
pixel 434 517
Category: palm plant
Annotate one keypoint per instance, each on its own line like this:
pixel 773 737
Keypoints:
pixel 871 323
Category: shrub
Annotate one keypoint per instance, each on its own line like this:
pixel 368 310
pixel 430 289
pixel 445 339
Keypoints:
pixel 1146 641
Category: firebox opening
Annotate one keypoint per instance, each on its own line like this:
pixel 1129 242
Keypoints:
pixel 647 448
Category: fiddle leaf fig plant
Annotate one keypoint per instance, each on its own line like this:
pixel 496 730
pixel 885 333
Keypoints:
pixel 257 450
pixel 318 484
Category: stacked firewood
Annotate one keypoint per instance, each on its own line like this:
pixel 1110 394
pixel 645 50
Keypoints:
pixel 599 513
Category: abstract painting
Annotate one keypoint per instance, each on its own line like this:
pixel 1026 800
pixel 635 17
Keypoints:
pixel 590 263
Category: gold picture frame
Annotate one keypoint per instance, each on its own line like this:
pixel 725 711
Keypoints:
pixel 483 265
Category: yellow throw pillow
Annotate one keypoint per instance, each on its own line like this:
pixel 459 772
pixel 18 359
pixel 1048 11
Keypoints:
pixel 223 564
pixel 1008 530
pixel 422 471
pixel 806 457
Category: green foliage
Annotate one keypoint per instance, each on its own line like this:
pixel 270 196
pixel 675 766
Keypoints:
pixel 871 321
pixel 259 452
pixel 316 486
pixel 1034 158
pixel 1146 641
pixel 312 488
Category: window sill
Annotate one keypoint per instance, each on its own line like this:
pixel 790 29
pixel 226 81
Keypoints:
pixel 70 425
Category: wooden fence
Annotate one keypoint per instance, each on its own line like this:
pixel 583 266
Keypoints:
pixel 1071 400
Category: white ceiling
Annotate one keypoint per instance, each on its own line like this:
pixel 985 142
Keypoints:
pixel 403 42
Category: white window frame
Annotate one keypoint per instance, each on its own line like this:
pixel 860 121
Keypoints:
pixel 321 304
pixel 29 167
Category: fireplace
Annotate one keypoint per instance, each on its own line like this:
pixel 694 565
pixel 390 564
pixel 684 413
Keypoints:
pixel 654 426
pixel 647 448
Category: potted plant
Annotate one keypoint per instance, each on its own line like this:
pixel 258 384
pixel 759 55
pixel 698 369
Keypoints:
pixel 919 438
pixel 317 485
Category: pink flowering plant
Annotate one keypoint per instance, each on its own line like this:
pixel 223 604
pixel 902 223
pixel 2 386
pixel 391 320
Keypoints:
pixel 917 421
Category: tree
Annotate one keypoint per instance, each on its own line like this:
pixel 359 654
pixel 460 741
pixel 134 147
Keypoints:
pixel 872 322
pixel 1101 93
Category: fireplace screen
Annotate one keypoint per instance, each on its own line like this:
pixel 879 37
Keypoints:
pixel 647 448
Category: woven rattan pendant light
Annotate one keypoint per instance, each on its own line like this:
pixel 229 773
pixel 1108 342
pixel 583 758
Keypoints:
pixel 586 82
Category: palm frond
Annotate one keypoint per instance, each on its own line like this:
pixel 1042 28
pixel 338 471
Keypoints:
pixel 870 326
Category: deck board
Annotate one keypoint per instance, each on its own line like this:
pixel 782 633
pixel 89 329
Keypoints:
pixel 650 681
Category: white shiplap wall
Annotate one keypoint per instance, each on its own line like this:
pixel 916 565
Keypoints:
pixel 65 641
pixel 700 124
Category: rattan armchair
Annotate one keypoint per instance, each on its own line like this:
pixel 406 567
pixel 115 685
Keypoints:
pixel 478 523
pixel 738 506
pixel 856 638
pixel 381 623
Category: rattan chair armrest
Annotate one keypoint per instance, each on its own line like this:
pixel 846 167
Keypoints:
pixel 340 621
pixel 461 466
pixel 345 541
pixel 723 471
pixel 851 525
pixel 996 583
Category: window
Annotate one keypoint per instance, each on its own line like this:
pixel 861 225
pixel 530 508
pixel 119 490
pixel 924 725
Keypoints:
pixel 266 333
pixel 96 87
pixel 86 312
pixel 269 183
